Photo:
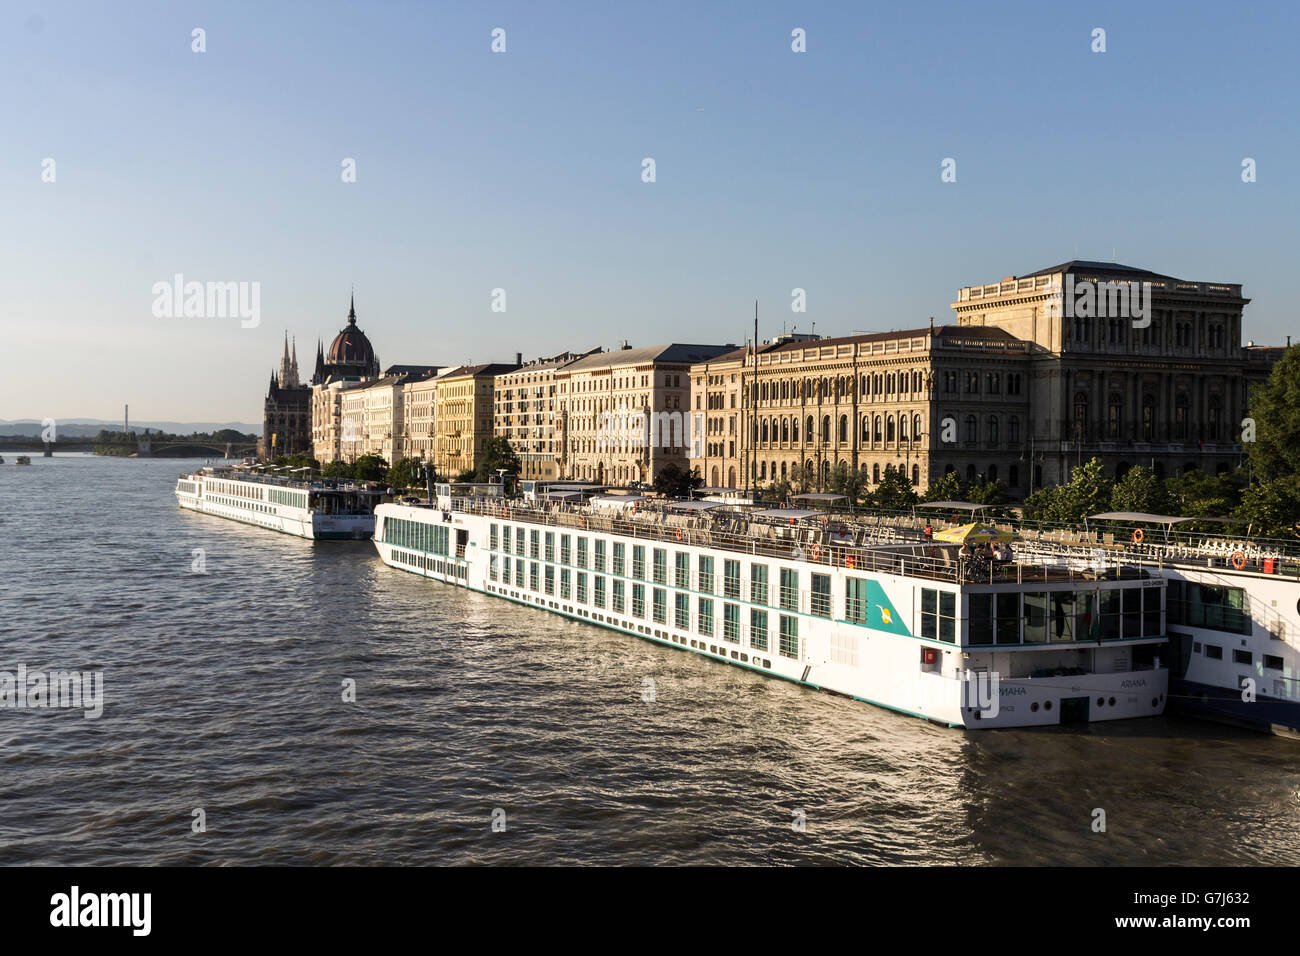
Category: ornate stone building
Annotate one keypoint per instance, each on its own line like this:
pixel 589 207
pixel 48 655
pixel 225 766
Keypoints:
pixel 286 413
pixel 350 361
pixel 624 415
pixel 1042 372
pixel 372 414
pixel 1166 389
pixel 526 410
pixel 463 416
pixel 865 401
pixel 419 416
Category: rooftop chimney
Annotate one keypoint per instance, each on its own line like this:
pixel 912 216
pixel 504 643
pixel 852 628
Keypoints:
pixel 519 358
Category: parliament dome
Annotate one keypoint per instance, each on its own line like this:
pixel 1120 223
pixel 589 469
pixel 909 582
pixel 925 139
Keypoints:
pixel 350 346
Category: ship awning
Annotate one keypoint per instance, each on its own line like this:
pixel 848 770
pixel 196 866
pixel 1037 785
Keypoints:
pixel 1155 519
pixel 693 505
pixel 562 494
pixel 952 505
pixel 794 514
pixel 825 496
pixel 617 501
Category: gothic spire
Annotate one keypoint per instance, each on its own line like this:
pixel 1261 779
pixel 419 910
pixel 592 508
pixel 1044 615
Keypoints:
pixel 352 310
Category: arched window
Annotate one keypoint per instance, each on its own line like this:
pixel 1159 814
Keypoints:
pixel 785 429
pixel 889 429
pixel 1181 405
pixel 826 428
pixel 970 472
pixel 972 432
pixel 878 430
pixel 794 430
pixel 808 430
pixel 1080 416
pixel 866 429
pixel 875 474
pixel 1115 421
pixel 993 473
pixel 1212 421
pixel 902 427
pixel 844 428
pixel 993 429
pixel 762 471
pixel 916 426
pixel 1013 428
pixel 916 474
pixel 764 437
pixel 1148 417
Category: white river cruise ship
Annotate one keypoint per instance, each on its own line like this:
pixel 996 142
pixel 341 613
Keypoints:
pixel 316 509
pixel 865 609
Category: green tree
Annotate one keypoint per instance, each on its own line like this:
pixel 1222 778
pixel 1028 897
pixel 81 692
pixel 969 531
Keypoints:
pixel 989 493
pixel 778 490
pixel 675 482
pixel 406 473
pixel 1273 507
pixel 1140 489
pixel 1195 494
pixel 1275 409
pixel 847 481
pixel 1272 502
pixel 497 456
pixel 370 468
pixel 337 469
pixel 948 488
pixel 894 492
pixel 1087 492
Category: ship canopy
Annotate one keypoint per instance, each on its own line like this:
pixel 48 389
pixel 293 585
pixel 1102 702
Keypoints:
pixel 1154 518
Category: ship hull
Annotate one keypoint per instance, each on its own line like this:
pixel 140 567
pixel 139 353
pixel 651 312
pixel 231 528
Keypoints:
pixel 885 666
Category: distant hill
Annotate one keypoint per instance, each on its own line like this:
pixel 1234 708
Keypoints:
pixel 90 427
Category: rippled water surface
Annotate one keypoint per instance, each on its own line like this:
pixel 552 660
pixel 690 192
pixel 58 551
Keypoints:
pixel 223 692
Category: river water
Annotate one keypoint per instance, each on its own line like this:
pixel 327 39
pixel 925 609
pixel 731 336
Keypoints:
pixel 223 693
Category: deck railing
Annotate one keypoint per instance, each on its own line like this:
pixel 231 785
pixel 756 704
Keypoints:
pixel 902 555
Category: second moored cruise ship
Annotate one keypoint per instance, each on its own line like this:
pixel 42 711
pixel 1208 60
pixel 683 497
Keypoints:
pixel 869 611
pixel 308 508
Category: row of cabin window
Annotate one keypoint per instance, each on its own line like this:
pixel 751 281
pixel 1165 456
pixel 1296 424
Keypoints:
pixel 417 535
pixel 759 585
pixel 543 579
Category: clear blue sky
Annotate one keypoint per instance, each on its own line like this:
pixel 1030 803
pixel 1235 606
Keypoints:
pixel 522 171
